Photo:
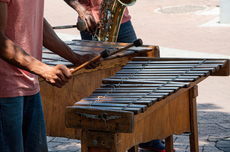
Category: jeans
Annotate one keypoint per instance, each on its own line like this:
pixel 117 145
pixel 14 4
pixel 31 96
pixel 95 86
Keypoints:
pixel 126 33
pixel 22 124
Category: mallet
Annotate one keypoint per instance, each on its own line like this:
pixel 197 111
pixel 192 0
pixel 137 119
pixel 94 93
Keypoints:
pixel 105 53
pixel 81 26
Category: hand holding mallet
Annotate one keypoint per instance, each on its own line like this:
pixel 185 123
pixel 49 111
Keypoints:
pixel 105 53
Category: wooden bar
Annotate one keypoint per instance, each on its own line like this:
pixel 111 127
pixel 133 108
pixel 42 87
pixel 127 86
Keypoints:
pixel 143 85
pixel 129 94
pixel 137 90
pixel 224 70
pixel 154 77
pixel 119 105
pixel 172 66
pixel 158 74
pixel 161 60
pixel 163 79
pixel 114 99
pixel 127 81
pixel 204 73
pixel 142 101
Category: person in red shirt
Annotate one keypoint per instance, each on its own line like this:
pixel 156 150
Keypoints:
pixel 88 11
pixel 23 32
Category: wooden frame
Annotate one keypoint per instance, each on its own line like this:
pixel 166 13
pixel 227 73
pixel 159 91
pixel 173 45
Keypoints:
pixel 176 114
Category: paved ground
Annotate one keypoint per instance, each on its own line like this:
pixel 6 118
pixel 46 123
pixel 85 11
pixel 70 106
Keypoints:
pixel 194 34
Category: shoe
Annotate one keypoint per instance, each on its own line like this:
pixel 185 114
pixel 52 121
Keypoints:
pixel 155 145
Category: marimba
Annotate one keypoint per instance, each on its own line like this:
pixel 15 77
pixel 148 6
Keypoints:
pixel 84 81
pixel 149 98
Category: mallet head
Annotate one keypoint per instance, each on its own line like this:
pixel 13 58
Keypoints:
pixel 138 42
pixel 105 53
pixel 81 26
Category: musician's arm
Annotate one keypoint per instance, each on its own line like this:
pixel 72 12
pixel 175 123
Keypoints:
pixel 52 42
pixel 12 53
pixel 16 56
pixel 76 6
pixel 84 15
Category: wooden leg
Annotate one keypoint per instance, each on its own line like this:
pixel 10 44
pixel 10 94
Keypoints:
pixel 169 144
pixel 133 149
pixel 194 145
pixel 92 141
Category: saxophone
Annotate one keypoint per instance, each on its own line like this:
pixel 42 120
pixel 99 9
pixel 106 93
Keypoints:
pixel 111 13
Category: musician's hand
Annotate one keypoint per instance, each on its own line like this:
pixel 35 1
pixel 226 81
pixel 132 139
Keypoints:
pixel 84 14
pixel 57 76
pixel 91 25
pixel 86 57
pixel 94 64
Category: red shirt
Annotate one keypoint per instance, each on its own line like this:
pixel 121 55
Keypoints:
pixel 24 28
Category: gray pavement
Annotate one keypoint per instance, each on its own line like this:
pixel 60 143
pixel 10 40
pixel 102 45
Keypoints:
pixel 186 34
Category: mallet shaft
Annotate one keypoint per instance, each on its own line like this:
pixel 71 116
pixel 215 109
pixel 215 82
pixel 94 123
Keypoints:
pixel 97 57
pixel 138 42
pixel 81 26
pixel 122 49
pixel 86 63
pixel 64 26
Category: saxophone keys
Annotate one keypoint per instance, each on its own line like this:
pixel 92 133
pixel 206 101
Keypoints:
pixel 110 27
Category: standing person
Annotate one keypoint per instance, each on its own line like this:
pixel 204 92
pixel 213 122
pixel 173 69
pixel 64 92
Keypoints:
pixel 88 11
pixel 23 31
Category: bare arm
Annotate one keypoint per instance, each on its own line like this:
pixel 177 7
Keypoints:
pixel 84 15
pixel 15 55
pixel 52 42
